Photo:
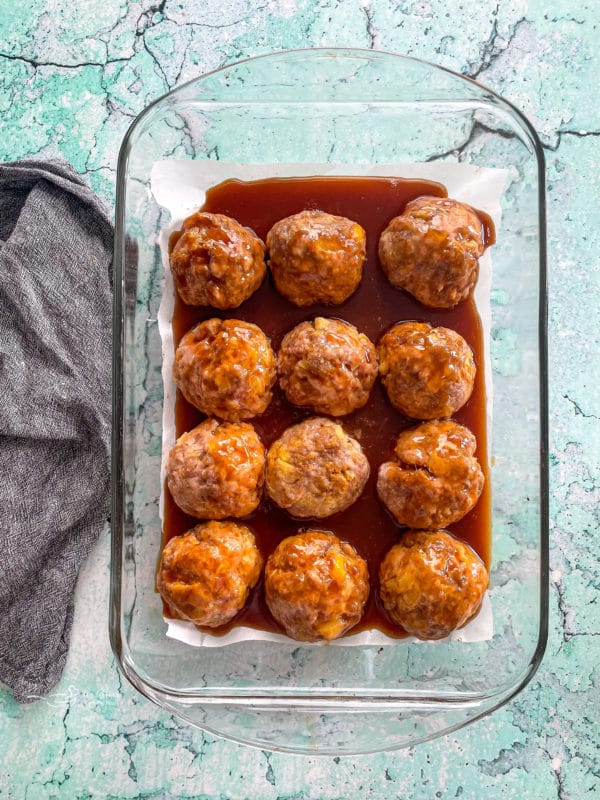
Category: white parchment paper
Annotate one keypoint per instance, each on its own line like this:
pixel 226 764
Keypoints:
pixel 179 186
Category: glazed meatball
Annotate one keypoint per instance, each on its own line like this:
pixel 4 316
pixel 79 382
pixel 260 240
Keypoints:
pixel 315 469
pixel 432 250
pixel 216 470
pixel 431 583
pixel 435 479
pixel 328 366
pixel 316 257
pixel 216 261
pixel 226 368
pixel 206 574
pixel 427 372
pixel 316 586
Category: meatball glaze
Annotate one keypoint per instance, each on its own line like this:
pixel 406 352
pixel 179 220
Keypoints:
pixel 216 261
pixel 226 368
pixel 328 366
pixel 206 575
pixel 432 250
pixel 431 583
pixel 316 257
pixel 427 372
pixel 316 586
pixel 216 470
pixel 435 478
pixel 315 469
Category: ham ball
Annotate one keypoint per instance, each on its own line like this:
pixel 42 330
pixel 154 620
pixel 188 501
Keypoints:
pixel 316 257
pixel 315 469
pixel 434 479
pixel 427 372
pixel 431 583
pixel 432 250
pixel 216 261
pixel 206 575
pixel 316 586
pixel 328 366
pixel 225 368
pixel 216 470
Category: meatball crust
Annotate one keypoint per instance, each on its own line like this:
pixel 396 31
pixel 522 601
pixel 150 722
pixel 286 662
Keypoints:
pixel 216 261
pixel 316 257
pixel 427 372
pixel 431 583
pixel 328 366
pixel 226 368
pixel 316 586
pixel 216 470
pixel 435 479
pixel 432 250
pixel 206 574
pixel 315 469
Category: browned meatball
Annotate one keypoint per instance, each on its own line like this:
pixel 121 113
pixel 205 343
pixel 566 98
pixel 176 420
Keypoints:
pixel 328 366
pixel 427 372
pixel 431 583
pixel 315 469
pixel 226 368
pixel 435 479
pixel 432 250
pixel 216 470
pixel 316 586
pixel 206 574
pixel 216 261
pixel 316 257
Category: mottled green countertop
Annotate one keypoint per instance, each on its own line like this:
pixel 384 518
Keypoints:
pixel 74 75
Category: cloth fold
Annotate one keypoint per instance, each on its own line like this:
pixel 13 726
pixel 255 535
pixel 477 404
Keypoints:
pixel 55 401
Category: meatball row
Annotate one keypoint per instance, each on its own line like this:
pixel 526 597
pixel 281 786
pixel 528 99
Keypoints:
pixel 317 586
pixel 314 257
pixel 314 470
pixel 431 250
pixel 226 368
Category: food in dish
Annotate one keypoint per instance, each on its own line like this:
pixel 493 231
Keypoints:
pixel 226 368
pixel 316 257
pixel 431 583
pixel 216 261
pixel 205 575
pixel 315 469
pixel 216 470
pixel 316 586
pixel 434 479
pixel 427 372
pixel 432 250
pixel 328 366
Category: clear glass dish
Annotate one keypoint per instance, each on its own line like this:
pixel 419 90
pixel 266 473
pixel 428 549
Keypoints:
pixel 359 107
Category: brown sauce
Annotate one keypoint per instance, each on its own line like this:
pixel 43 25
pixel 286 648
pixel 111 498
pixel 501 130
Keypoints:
pixel 375 306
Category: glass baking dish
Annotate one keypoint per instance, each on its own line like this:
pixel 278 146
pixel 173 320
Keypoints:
pixel 359 107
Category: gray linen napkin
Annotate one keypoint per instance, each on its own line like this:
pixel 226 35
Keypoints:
pixel 55 387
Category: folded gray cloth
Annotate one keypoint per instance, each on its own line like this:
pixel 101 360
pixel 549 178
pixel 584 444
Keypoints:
pixel 55 387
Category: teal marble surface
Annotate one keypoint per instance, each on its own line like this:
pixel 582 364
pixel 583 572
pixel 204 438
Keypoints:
pixel 73 76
